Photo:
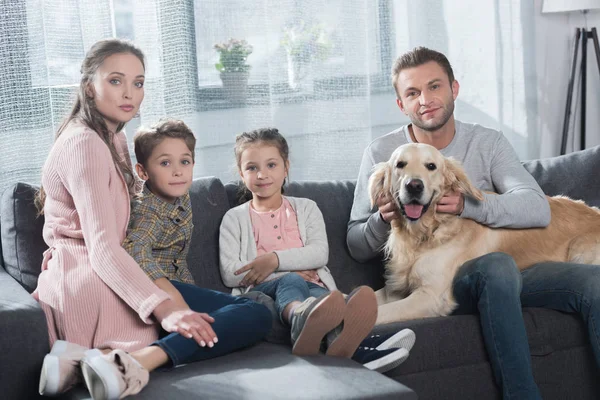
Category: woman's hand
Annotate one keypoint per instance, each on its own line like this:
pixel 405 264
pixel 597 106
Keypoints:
pixel 259 269
pixel 186 322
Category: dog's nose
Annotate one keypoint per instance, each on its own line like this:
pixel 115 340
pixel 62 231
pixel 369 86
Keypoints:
pixel 414 187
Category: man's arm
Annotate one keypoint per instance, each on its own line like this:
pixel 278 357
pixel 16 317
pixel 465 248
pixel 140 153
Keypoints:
pixel 521 203
pixel 367 231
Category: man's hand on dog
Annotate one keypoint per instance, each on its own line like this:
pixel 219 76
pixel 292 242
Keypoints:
pixel 388 209
pixel 451 203
pixel 259 269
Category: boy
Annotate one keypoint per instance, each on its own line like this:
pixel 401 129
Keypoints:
pixel 161 225
pixel 158 239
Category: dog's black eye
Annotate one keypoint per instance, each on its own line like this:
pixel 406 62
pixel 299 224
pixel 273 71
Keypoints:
pixel 401 164
pixel 431 166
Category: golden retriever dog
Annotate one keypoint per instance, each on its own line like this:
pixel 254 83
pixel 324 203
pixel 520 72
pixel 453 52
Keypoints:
pixel 425 249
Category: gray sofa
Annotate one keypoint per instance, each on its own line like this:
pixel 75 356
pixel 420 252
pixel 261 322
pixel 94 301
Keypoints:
pixel 448 361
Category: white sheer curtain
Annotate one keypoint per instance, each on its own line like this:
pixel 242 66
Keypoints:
pixel 491 45
pixel 343 101
pixel 326 116
pixel 42 44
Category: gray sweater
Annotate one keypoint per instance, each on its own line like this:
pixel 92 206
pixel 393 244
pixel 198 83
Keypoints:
pixel 237 246
pixel 491 164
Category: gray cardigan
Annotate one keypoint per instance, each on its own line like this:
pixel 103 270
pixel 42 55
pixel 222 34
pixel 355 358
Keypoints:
pixel 237 246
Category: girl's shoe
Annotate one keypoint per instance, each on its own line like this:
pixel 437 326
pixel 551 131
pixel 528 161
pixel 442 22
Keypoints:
pixel 380 360
pixel 312 320
pixel 359 319
pixel 113 376
pixel 405 339
pixel 60 369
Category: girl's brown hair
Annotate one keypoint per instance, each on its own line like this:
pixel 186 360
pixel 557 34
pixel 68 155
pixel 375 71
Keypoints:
pixel 85 109
pixel 266 136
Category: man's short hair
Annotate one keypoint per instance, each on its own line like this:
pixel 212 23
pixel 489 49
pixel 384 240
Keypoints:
pixel 419 56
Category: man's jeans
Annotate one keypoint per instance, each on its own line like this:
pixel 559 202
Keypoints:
pixel 290 287
pixel 493 286
pixel 239 322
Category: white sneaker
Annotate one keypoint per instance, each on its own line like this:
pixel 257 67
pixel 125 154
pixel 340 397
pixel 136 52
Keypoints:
pixel 113 376
pixel 380 360
pixel 405 338
pixel 60 369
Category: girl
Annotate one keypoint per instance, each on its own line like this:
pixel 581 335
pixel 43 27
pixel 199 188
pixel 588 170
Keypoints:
pixel 266 238
pixel 93 293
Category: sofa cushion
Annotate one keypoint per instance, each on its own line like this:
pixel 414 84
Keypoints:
pixel 21 234
pixel 268 371
pixel 454 341
pixel 574 175
pixel 334 199
pixel 23 244
pixel 209 205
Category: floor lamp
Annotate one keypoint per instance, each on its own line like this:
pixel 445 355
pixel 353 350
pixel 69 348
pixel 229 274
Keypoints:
pixel 581 37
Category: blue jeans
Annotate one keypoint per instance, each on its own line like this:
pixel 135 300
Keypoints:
pixel 290 287
pixel 493 286
pixel 239 322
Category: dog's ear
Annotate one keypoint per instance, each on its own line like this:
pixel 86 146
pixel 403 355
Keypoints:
pixel 456 180
pixel 379 181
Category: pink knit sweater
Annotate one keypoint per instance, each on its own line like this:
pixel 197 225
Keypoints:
pixel 92 292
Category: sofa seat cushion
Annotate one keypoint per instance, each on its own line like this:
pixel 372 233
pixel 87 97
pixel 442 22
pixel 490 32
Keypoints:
pixel 449 342
pixel 269 371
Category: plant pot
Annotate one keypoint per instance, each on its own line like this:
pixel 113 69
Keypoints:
pixel 235 85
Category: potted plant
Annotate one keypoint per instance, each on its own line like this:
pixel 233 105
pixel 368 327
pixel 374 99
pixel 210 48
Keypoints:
pixel 233 68
pixel 305 42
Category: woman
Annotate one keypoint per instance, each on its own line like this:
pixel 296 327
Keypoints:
pixel 93 293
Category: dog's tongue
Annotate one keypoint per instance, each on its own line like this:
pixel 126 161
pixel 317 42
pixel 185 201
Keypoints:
pixel 413 210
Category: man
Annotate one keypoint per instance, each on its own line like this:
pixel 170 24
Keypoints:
pixel 491 285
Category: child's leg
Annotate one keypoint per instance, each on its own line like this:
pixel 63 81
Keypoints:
pixel 288 291
pixel 316 290
pixel 359 317
pixel 239 322
pixel 310 313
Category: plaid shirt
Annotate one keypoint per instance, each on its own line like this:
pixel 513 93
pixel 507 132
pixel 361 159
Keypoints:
pixel 158 236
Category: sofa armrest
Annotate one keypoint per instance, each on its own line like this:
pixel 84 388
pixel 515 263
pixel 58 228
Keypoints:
pixel 23 340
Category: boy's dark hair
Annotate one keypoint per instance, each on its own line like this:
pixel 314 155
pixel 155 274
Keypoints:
pixel 268 136
pixel 147 138
pixel 419 56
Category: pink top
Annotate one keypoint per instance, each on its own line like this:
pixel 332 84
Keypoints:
pixel 91 290
pixel 276 230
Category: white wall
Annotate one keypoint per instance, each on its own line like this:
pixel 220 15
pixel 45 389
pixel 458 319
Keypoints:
pixel 554 48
